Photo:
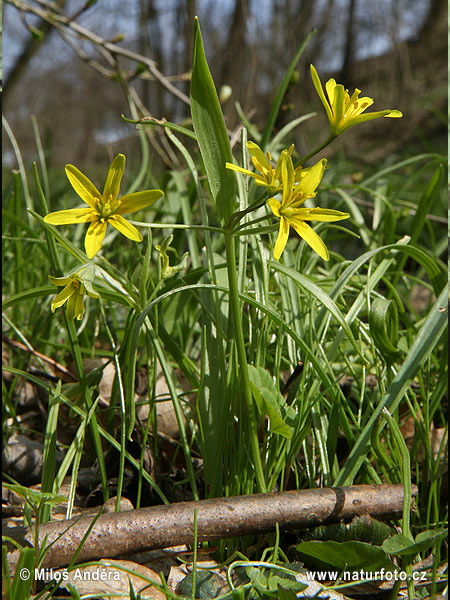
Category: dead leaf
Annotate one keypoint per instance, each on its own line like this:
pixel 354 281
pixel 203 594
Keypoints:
pixel 113 577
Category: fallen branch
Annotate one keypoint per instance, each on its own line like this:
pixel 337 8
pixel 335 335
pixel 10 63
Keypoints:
pixel 119 533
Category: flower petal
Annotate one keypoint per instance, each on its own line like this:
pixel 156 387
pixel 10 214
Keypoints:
pixel 125 228
pixel 283 236
pixel 330 86
pixel 114 177
pixel 312 178
pixel 133 202
pixel 82 185
pixel 71 216
pixel 362 104
pixel 75 305
pixel 287 178
pixel 62 297
pixel 394 114
pixel 311 238
pixel 318 85
pixel 322 214
pixel 258 154
pixel 60 280
pixel 94 237
pixel 368 117
pixel 274 206
pixel 241 170
pixel 79 306
pixel 338 107
pixel 285 154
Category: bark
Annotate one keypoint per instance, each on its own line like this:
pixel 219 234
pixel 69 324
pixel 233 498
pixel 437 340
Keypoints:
pixel 232 72
pixel 150 46
pixel 164 526
pixel 191 11
pixel 346 71
pixel 435 22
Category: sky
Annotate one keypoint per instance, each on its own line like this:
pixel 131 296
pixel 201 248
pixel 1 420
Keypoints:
pixel 124 19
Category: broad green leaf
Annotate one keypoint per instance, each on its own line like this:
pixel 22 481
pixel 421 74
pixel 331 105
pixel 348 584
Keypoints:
pixel 211 132
pixel 402 546
pixel 352 555
pixel 270 402
pixel 284 594
pixel 267 583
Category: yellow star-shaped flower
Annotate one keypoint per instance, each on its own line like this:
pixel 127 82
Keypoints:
pixel 75 286
pixel 268 175
pixel 291 212
pixel 343 110
pixel 103 208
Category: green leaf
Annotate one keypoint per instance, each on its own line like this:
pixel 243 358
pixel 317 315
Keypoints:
pixel 267 583
pixel 352 556
pixel 211 132
pixel 425 203
pixel 426 339
pixel 399 545
pixel 270 402
pixel 305 283
pixel 284 594
pixel 383 323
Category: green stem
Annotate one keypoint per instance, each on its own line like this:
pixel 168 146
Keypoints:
pixel 86 394
pixel 241 213
pixel 176 226
pixel 242 358
pixel 237 229
pixel 76 350
pixel 303 159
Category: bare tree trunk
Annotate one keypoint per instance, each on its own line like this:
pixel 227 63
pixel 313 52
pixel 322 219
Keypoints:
pixel 32 46
pixel 232 68
pixel 150 46
pixel 435 23
pixel 346 72
pixel 191 9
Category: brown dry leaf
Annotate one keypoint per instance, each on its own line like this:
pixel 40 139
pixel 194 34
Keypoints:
pixel 109 577
pixel 165 413
pixel 176 575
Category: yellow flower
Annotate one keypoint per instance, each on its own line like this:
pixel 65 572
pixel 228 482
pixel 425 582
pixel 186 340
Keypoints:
pixel 73 293
pixel 344 111
pixel 103 209
pixel 293 215
pixel 268 175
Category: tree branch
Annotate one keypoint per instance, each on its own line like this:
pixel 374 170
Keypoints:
pixel 54 19
pixel 114 534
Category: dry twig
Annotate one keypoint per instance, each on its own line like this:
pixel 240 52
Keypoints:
pixel 164 526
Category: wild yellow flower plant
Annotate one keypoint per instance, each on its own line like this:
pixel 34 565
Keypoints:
pixel 74 288
pixel 103 208
pixel 293 214
pixel 345 111
pixel 268 175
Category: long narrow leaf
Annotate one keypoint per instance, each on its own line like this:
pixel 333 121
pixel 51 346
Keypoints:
pixel 211 132
pixel 427 338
